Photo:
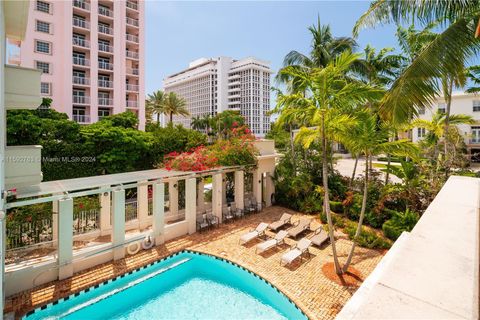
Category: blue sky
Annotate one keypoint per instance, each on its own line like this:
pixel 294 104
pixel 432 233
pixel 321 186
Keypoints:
pixel 179 31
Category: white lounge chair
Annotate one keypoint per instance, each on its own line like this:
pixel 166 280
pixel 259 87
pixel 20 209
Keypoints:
pixel 279 237
pixel 297 251
pixel 258 231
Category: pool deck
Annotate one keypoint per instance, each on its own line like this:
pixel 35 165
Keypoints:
pixel 303 282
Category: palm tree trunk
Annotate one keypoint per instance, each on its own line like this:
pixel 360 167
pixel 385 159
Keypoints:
pixel 360 220
pixel 448 102
pixel 292 148
pixel 354 172
pixel 326 199
pixel 158 118
pixel 387 173
pixel 171 117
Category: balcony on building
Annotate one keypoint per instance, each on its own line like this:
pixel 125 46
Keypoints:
pixel 82 62
pixel 82 43
pixel 132 38
pixel 81 118
pixel 81 4
pixel 132 22
pixel 132 103
pixel 103 29
pixel 132 71
pixel 81 81
pixel 132 54
pixel 105 11
pixel 105 66
pixel 105 102
pixel 132 5
pixel 105 84
pixel 81 23
pixel 105 48
pixel 132 87
pixel 78 99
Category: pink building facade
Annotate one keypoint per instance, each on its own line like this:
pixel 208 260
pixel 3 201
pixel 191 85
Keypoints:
pixel 91 53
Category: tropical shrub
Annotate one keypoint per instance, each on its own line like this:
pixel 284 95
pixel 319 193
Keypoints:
pixel 367 238
pixel 400 221
pixel 199 159
pixel 336 206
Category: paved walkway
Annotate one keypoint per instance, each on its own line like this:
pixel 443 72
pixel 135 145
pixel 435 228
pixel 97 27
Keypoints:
pixel 304 282
pixel 345 167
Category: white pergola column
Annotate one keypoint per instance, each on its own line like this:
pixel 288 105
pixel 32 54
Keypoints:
pixel 142 205
pixel 55 222
pixel 118 224
pixel 158 224
pixel 65 238
pixel 105 213
pixel 191 204
pixel 217 195
pixel 269 189
pixel 257 186
pixel 173 197
pixel 200 196
pixel 239 189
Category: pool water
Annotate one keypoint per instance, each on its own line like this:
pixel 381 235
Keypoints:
pixel 185 286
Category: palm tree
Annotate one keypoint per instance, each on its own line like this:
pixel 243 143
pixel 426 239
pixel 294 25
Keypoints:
pixel 154 104
pixel 327 93
pixel 473 74
pixel 372 139
pixel 175 105
pixel 198 123
pixel 447 54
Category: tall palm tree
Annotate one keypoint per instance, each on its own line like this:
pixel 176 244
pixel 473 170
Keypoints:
pixel 447 54
pixel 327 93
pixel 154 104
pixel 372 139
pixel 198 123
pixel 175 105
pixel 473 74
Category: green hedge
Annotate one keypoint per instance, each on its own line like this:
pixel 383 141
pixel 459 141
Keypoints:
pixel 367 238
pixel 400 221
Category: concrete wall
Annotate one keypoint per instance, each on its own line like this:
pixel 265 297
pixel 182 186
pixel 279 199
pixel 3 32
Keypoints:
pixel 432 272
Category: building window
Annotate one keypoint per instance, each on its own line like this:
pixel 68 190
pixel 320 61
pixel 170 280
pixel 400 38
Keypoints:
pixel 43 26
pixel 42 46
pixel 476 105
pixel 421 132
pixel 43 6
pixel 442 107
pixel 43 66
pixel 103 112
pixel 45 88
pixel 475 135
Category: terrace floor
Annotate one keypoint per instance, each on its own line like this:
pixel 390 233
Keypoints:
pixel 303 282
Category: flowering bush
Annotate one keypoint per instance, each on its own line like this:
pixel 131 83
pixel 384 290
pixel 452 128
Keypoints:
pixel 237 150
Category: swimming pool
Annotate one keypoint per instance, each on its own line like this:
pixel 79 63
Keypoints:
pixel 187 285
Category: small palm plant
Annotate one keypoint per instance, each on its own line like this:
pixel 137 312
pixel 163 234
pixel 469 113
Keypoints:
pixel 154 105
pixel 175 105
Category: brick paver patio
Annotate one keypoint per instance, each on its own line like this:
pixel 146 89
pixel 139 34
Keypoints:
pixel 303 282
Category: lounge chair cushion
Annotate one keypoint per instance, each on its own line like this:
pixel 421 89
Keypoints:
pixel 255 233
pixel 284 219
pixel 296 252
pixel 319 238
pixel 272 242
pixel 299 228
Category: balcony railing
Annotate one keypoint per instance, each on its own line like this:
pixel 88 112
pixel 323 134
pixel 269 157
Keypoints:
pixel 105 65
pixel 105 102
pixel 105 47
pixel 81 99
pixel 105 12
pixel 474 141
pixel 81 23
pixel 104 29
pixel 81 4
pixel 132 38
pixel 132 5
pixel 81 80
pixel 132 22
pixel 81 61
pixel 105 83
pixel 79 118
pixel 132 71
pixel 132 104
pixel 81 42
pixel 133 87
pixel 132 54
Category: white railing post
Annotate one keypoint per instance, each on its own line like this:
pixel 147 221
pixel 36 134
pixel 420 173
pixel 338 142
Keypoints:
pixel 65 238
pixel 200 195
pixel 105 213
pixel 118 224
pixel 158 212
pixel 142 198
pixel 191 204
pixel 217 195
pixel 173 197
pixel 239 189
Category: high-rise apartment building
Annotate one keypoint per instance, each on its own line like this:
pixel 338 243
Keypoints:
pixel 211 86
pixel 91 54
